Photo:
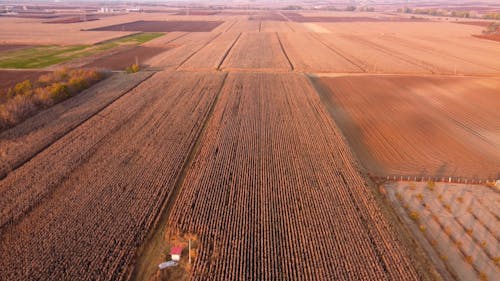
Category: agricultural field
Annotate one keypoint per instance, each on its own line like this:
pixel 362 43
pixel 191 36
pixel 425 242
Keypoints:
pixel 285 140
pixel 135 130
pixel 162 26
pixel 253 170
pixel 419 125
pixel 257 51
pixel 458 222
pixel 44 56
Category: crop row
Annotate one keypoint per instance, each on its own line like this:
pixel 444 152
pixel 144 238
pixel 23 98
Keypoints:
pixel 273 193
pixel 83 206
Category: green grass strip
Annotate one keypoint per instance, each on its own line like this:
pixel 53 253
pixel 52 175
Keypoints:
pixel 43 56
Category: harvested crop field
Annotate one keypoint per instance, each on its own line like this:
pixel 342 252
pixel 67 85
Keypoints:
pixel 458 222
pixel 257 51
pixel 19 144
pixel 410 125
pixel 213 54
pixel 101 199
pixel 252 186
pixel 308 53
pixel 162 26
pixel 268 138
pixel 181 48
pixel 125 58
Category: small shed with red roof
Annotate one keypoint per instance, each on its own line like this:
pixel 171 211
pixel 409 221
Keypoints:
pixel 176 252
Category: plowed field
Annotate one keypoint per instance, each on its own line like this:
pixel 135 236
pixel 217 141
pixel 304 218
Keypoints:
pixel 430 126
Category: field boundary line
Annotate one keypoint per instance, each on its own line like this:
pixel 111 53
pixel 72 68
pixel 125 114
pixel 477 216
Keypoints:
pixel 159 225
pixel 196 51
pixel 111 102
pixel 408 74
pixel 417 254
pixel 228 51
pixel 396 54
pixel 338 52
pixel 231 26
pixel 284 52
pixel 287 21
pixel 432 51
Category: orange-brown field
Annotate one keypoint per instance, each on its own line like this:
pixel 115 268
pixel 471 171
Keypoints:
pixel 419 125
pixel 279 141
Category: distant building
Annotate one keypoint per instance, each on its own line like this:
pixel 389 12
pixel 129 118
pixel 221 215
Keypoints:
pixel 135 9
pixel 175 252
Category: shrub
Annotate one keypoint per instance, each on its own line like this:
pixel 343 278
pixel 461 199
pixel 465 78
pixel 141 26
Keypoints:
pixel 414 215
pixel 431 185
pixel 77 84
pixel 469 259
pixel 483 276
pixel 58 91
pixel 133 68
pixel 24 88
pixel 15 110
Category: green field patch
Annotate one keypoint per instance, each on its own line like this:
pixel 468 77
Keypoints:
pixel 43 56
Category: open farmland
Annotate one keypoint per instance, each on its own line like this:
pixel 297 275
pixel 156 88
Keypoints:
pixel 281 141
pixel 44 56
pixel 162 26
pixel 257 51
pixel 21 143
pixel 181 48
pixel 254 172
pixel 135 130
pixel 307 53
pixel 425 126
pixel 459 222
pixel 213 54
pixel 125 58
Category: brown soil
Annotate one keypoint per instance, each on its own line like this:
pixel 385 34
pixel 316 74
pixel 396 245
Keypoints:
pixel 258 51
pixel 8 47
pixel 493 36
pixel 9 78
pixel 162 26
pixel 125 58
pixel 430 126
pixel 476 23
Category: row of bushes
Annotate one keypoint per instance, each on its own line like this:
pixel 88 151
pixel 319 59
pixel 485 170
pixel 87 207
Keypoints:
pixel 456 14
pixel 27 97
pixel 492 16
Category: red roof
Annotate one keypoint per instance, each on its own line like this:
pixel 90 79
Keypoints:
pixel 176 251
